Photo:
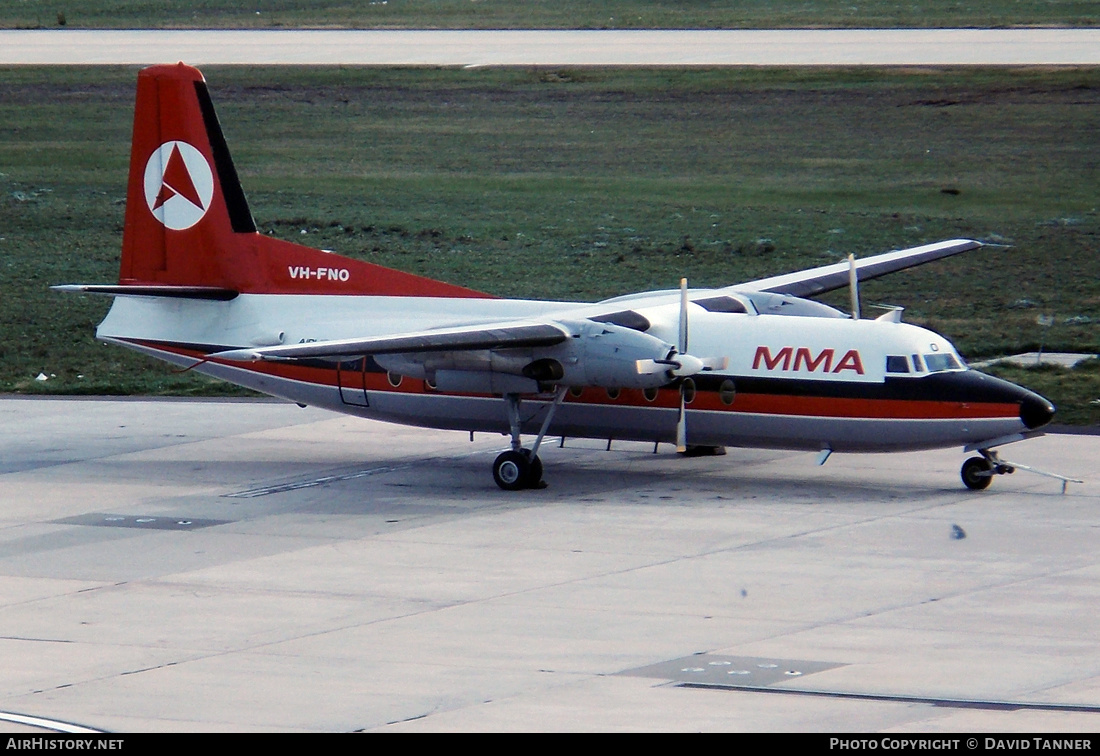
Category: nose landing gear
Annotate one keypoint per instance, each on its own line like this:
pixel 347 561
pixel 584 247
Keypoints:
pixel 977 472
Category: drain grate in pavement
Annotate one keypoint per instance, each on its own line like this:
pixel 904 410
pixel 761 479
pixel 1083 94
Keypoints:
pixel 762 675
pixel 731 671
pixel 148 522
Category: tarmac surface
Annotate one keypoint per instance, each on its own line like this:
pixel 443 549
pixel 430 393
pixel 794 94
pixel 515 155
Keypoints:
pixel 792 47
pixel 249 565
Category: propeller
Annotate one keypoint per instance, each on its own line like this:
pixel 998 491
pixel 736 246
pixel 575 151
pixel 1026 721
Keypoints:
pixel 679 364
pixel 682 347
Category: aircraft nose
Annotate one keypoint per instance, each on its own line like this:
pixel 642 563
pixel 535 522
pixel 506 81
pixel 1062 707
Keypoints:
pixel 1035 411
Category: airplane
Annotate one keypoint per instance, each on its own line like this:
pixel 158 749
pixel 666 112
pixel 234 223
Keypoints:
pixel 755 364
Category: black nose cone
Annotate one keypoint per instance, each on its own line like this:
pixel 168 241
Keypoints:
pixel 1035 411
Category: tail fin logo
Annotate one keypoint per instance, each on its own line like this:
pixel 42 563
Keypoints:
pixel 179 185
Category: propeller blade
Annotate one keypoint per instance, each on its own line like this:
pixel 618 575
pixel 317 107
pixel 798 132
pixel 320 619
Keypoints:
pixel 853 286
pixel 681 425
pixel 892 314
pixel 682 347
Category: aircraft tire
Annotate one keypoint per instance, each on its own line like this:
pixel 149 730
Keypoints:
pixel 970 473
pixel 534 472
pixel 511 470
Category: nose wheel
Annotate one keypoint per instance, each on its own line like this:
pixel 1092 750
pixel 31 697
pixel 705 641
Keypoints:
pixel 977 473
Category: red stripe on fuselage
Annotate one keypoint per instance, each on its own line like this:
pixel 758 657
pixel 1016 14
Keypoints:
pixel 667 398
pixel 809 406
pixel 908 409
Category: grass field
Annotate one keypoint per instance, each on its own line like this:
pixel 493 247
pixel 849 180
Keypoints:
pixel 546 14
pixel 587 184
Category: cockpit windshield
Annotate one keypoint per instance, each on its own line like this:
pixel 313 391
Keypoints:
pixel 943 361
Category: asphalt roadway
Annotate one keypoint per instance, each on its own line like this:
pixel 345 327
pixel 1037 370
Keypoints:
pixel 989 47
pixel 212 565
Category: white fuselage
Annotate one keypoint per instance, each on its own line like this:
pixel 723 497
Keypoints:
pixel 790 381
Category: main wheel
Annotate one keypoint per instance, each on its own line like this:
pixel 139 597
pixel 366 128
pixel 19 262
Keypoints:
pixel 512 470
pixel 976 473
pixel 534 472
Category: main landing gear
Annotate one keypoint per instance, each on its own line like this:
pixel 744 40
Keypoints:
pixel 521 468
pixel 977 472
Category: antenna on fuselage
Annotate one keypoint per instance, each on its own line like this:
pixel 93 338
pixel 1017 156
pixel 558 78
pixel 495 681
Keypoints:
pixel 853 286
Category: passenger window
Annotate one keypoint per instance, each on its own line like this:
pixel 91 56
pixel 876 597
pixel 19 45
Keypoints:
pixel 897 364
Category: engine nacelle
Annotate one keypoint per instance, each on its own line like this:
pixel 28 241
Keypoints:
pixel 424 365
pixel 607 355
pixel 598 354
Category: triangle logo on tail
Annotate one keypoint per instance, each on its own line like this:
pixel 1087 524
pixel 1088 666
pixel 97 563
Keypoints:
pixel 179 185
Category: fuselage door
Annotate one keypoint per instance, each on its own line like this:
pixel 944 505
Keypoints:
pixel 351 375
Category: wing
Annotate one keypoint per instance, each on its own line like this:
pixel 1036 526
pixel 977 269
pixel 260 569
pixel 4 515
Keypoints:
pixel 807 283
pixel 492 336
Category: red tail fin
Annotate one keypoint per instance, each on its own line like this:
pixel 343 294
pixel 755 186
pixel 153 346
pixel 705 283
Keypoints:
pixel 188 222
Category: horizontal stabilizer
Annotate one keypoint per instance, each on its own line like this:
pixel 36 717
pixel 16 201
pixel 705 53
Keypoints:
pixel 179 292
